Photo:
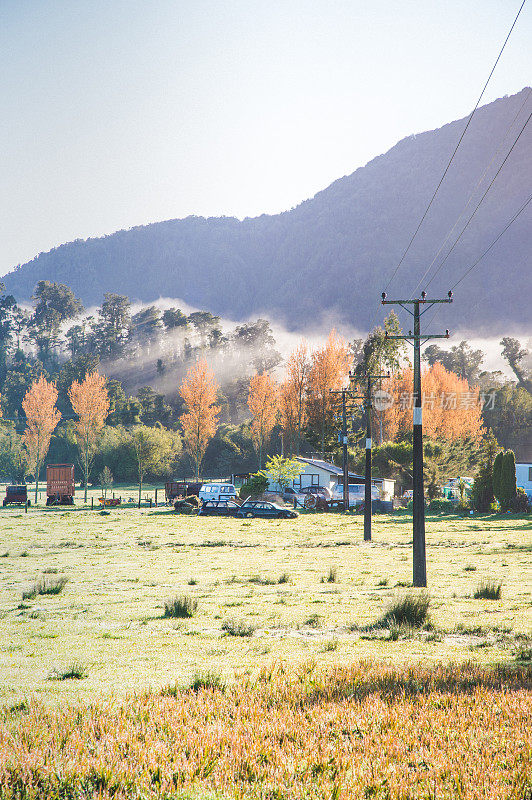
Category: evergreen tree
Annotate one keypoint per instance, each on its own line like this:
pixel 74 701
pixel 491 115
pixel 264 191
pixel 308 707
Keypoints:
pixel 508 487
pixel 497 475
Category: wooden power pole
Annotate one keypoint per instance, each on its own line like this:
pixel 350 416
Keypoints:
pixel 368 405
pixel 417 339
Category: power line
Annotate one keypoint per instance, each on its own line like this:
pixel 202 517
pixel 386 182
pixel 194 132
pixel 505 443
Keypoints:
pixel 442 262
pixel 472 267
pixel 472 194
pixel 455 150
pixel 494 242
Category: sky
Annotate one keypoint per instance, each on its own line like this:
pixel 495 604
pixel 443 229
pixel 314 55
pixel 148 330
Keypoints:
pixel 118 113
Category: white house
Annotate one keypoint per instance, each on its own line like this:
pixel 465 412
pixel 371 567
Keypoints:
pixel 317 472
pixel 523 476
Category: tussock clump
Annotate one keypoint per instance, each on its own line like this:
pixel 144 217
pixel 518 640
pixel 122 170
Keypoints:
pixel 411 611
pixel 284 578
pixel 234 627
pixel 207 680
pixel 182 607
pixel 331 577
pixel 75 671
pixel 45 586
pixel 488 590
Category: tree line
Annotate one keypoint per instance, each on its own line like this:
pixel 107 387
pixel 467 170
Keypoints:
pixel 217 418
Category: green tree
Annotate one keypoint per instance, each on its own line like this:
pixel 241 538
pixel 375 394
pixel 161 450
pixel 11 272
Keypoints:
pixel 8 309
pixel 482 494
pixel 174 318
pixel 55 303
pixel 515 355
pixel 113 325
pixel 460 359
pixel 146 326
pixel 281 471
pixel 508 486
pixel 154 449
pixel 13 461
pixel 497 474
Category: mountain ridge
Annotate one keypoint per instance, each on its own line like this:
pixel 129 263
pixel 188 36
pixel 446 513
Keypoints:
pixel 332 254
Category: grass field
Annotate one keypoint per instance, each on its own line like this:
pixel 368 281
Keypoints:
pixel 123 566
pixel 276 684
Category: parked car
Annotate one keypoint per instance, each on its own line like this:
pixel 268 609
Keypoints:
pixel 260 508
pixel 219 508
pixel 300 494
pixel 217 491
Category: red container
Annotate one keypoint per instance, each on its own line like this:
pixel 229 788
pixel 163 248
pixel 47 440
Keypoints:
pixel 60 484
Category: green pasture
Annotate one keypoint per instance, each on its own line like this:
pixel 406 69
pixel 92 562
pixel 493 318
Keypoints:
pixel 123 565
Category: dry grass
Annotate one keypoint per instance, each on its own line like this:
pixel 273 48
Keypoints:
pixel 368 731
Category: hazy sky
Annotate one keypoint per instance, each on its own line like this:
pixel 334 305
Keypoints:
pixel 116 113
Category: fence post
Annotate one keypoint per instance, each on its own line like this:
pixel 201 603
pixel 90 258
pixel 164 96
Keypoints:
pixel 26 506
pixel 92 503
pixel 156 497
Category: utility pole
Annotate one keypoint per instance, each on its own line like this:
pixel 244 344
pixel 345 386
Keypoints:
pixel 419 547
pixel 368 405
pixel 344 440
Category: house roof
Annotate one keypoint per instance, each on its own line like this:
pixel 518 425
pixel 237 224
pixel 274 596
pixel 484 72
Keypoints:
pixel 327 466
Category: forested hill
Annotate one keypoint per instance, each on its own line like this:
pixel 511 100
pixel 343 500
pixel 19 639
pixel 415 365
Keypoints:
pixel 333 254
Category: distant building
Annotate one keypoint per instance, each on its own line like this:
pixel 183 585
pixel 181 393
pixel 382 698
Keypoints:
pixel 523 476
pixel 317 472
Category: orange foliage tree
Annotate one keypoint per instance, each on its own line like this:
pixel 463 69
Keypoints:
pixel 293 395
pixel 90 402
pixel 263 404
pixel 329 369
pixel 451 408
pixel 198 390
pixel 41 421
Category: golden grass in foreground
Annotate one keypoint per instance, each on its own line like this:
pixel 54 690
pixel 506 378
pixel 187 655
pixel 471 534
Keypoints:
pixel 364 731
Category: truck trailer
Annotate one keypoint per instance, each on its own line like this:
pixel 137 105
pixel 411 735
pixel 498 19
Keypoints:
pixel 60 485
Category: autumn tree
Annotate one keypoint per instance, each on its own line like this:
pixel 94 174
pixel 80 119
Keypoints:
pixel 451 407
pixel 199 391
pixel 42 418
pixel 328 370
pixel 293 395
pixel 90 402
pixel 263 403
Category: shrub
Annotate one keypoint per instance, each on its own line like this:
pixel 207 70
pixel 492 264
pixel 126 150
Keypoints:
pixel 284 578
pixel 441 506
pixel 410 611
pixel 520 504
pixel 254 487
pixel 488 590
pixel 182 607
pixel 313 621
pixel 234 627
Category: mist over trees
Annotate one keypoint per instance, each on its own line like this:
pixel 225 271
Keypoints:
pixel 145 425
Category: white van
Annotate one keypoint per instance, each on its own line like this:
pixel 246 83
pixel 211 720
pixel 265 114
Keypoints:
pixel 217 491
pixel 356 493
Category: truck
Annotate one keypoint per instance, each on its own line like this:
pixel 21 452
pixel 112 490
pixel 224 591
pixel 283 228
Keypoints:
pixel 60 487
pixel 16 494
pixel 185 488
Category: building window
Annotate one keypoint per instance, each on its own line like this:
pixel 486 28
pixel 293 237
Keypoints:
pixel 315 480
pixel 530 474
